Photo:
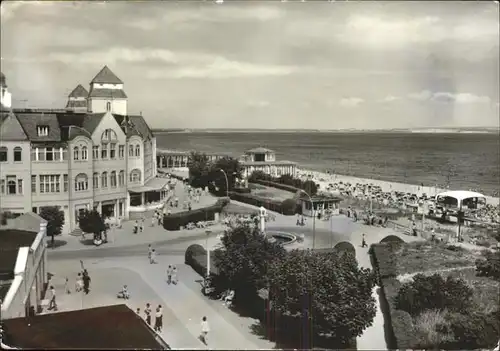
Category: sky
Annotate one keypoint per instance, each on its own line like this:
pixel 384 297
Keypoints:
pixel 264 64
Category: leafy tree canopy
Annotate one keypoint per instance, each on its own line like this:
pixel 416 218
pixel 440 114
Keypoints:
pixel 244 259
pixel 91 222
pixel 330 290
pixel 232 169
pixel 55 220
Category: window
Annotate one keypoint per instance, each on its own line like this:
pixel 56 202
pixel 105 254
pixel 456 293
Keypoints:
pixel 66 183
pixel 95 180
pixel 135 176
pixel 113 179
pixel 112 151
pixel 42 131
pixel 81 182
pixel 2 186
pixel 121 151
pixel 49 183
pixel 104 180
pixel 137 150
pixel 95 152
pixel 3 154
pixel 18 154
pixel 108 106
pixel 121 178
pixel 34 209
pixel 131 150
pixel 11 185
pixel 76 153
pixel 85 155
pixel 19 186
pixel 49 154
pixel 33 184
pixel 104 151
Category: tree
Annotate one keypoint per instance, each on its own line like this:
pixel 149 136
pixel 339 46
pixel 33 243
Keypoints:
pixel 91 222
pixel 55 220
pixel 244 259
pixel 310 187
pixel 328 290
pixel 232 169
pixel 199 168
pixel 489 265
pixel 258 175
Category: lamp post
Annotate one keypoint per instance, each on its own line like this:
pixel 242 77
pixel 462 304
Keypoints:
pixel 208 252
pixel 227 181
pixel 314 217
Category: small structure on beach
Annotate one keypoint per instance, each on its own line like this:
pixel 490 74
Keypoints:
pixel 262 159
pixel 320 204
pixel 460 200
pixel 179 159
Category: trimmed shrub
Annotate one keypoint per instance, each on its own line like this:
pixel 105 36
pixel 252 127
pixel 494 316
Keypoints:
pixel 289 207
pixel 256 201
pixel 384 259
pixel 196 257
pixel 434 293
pixel 473 330
pixel 242 190
pixel 271 184
pixel 489 266
pixel 403 328
pixel 192 251
pixel 392 239
pixel 345 247
pixel 175 221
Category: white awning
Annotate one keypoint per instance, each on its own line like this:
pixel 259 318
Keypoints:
pixel 155 184
pixel 460 194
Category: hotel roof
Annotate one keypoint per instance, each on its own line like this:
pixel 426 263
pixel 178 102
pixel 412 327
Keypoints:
pixel 106 76
pixel 109 327
pixel 79 92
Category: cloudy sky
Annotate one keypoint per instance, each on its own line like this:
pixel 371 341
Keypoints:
pixel 264 64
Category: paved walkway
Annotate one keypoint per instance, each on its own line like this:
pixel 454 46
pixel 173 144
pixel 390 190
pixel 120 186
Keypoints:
pixel 184 305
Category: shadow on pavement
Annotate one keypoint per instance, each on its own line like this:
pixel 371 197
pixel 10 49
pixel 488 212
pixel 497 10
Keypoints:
pixel 56 243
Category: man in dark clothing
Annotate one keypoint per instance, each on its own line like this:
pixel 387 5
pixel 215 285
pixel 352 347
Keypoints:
pixel 86 282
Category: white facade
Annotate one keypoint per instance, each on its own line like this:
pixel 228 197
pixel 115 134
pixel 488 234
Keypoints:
pixel 5 97
pixel 99 105
pixel 30 277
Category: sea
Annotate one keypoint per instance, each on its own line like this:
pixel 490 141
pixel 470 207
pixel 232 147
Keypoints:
pixel 462 161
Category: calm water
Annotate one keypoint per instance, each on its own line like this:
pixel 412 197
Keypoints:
pixel 466 161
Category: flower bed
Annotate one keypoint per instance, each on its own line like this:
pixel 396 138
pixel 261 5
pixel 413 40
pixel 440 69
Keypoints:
pixel 175 221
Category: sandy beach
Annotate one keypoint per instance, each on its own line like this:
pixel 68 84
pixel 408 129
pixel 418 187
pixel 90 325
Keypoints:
pixel 386 186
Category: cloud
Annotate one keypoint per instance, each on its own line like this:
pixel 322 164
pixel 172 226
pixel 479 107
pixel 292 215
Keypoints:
pixel 377 31
pixel 459 98
pixel 390 98
pixel 259 104
pixel 350 102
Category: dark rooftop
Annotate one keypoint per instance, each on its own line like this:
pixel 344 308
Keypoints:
pixel 79 92
pixel 10 242
pixel 106 76
pixel 107 93
pixel 109 327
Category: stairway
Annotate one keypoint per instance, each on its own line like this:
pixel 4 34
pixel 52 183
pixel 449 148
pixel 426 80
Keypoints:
pixel 76 232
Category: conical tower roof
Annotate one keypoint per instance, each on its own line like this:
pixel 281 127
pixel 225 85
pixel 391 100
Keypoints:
pixel 106 76
pixel 79 92
pixel 3 81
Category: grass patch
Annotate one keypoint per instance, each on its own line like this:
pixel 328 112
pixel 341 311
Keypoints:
pixel 426 327
pixel 422 256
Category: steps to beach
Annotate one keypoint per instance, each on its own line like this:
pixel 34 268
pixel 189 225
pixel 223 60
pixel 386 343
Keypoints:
pixel 76 232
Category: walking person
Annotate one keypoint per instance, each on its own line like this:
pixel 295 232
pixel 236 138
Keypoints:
pixel 205 328
pixel 86 282
pixel 138 311
pixel 174 274
pixel 153 220
pixel 363 241
pixel 66 286
pixel 147 313
pixel 158 319
pixel 169 274
pixel 52 303
pixel 136 227
pixel 141 227
pixel 150 250
pixel 79 283
pixel 152 259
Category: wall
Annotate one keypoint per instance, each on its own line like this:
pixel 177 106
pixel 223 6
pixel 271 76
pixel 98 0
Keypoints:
pixel 135 162
pixel 107 86
pixel 118 106
pixel 30 277
pixel 6 98
pixel 17 203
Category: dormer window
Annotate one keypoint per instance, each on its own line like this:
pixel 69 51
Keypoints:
pixel 108 106
pixel 42 131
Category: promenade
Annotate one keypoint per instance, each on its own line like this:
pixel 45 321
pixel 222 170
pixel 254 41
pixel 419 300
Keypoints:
pixel 124 259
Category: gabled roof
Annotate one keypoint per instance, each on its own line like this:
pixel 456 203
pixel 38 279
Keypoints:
pixel 30 121
pixel 79 92
pixel 106 76
pixel 91 121
pixel 107 93
pixel 141 126
pixel 10 128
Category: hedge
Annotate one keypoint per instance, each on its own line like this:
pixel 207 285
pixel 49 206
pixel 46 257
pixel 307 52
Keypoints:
pixel 196 257
pixel 276 206
pixel 242 190
pixel 284 187
pixel 177 220
pixel 399 323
